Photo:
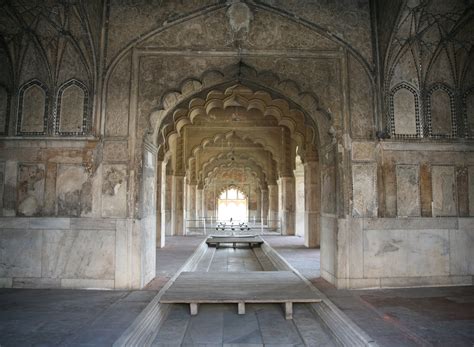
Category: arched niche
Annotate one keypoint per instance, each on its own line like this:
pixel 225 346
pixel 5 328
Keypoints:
pixel 404 112
pixel 468 102
pixel 441 112
pixel 32 108
pixel 72 109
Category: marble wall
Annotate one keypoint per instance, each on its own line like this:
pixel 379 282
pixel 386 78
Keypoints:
pixel 408 252
pixel 46 252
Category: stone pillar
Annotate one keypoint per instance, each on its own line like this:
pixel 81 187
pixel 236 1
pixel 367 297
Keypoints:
pixel 191 204
pixel 273 205
pixel 312 213
pixel 258 214
pixel 160 185
pixel 177 209
pixel 287 211
pixel 166 199
pixel 264 206
pixel 199 198
pixel 300 193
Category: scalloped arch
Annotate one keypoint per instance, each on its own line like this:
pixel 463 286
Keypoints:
pixel 303 103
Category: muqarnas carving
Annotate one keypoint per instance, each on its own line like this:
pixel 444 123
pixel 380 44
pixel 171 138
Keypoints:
pixel 72 109
pixel 32 108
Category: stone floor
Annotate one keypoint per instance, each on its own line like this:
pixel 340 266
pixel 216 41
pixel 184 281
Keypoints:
pixel 435 316
pixel 398 317
pixel 220 325
pixel 39 317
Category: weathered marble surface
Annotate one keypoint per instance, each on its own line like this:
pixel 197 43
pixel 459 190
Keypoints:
pixel 408 191
pixel 462 246
pixel 20 254
pixel 364 181
pixel 402 253
pixel 114 191
pixel 74 191
pixel 363 151
pixel 78 254
pixel 31 179
pixel 444 191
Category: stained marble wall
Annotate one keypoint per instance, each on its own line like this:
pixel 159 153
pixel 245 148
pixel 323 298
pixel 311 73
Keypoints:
pixel 396 180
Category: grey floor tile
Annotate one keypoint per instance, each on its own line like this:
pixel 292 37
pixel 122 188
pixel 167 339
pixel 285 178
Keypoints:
pixel 206 327
pixel 242 329
pixel 173 329
pixel 275 328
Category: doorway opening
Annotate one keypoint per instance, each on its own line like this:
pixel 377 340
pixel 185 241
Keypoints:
pixel 232 204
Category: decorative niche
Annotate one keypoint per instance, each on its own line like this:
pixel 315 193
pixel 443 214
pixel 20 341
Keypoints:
pixel 404 112
pixel 32 108
pixel 72 113
pixel 441 115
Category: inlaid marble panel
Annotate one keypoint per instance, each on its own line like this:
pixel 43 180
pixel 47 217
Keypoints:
pixel 444 191
pixel 408 190
pixel 364 180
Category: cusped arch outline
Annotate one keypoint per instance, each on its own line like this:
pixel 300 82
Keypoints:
pixel 164 123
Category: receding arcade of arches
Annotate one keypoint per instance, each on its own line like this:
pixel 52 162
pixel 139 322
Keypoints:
pixel 236 139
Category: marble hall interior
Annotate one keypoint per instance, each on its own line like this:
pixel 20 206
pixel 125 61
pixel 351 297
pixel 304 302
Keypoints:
pixel 236 173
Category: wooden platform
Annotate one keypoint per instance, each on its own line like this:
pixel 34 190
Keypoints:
pixel 234 240
pixel 196 288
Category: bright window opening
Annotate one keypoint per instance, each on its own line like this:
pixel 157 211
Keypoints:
pixel 232 203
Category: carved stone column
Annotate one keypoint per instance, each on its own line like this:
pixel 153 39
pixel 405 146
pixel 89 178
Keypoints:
pixel 166 200
pixel 265 206
pixel 199 200
pixel 312 220
pixel 287 211
pixel 160 231
pixel 273 205
pixel 177 210
pixel 258 212
pixel 191 204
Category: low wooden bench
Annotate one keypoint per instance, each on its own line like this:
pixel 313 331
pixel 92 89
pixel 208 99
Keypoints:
pixel 239 288
pixel 234 240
